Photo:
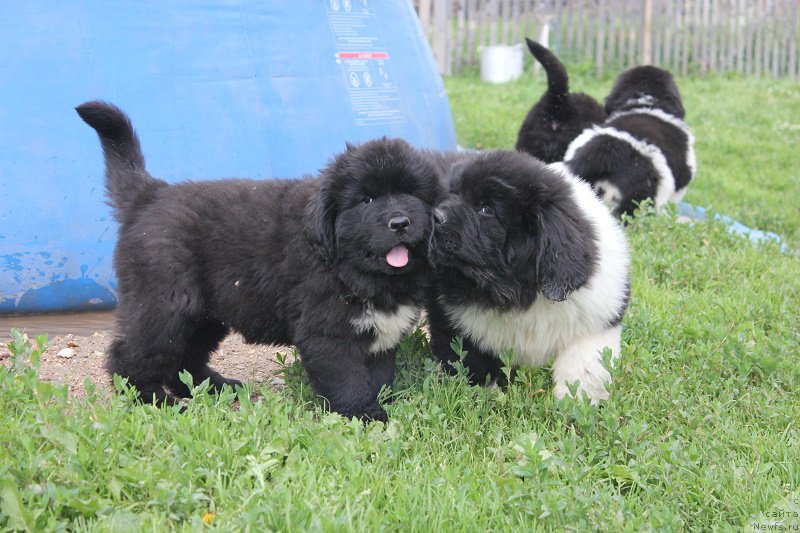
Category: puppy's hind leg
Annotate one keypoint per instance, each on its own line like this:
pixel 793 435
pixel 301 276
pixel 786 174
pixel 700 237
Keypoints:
pixel 124 360
pixel 203 341
pixel 151 346
pixel 582 362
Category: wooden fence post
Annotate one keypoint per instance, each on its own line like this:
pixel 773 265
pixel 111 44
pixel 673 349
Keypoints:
pixel 424 14
pixel 441 35
pixel 647 33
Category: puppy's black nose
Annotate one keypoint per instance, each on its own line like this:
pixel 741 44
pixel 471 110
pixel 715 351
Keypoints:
pixel 399 223
pixel 439 216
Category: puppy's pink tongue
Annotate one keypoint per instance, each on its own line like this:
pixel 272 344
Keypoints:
pixel 398 256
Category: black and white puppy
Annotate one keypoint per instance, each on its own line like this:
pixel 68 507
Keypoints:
pixel 644 149
pixel 559 116
pixel 527 259
pixel 336 265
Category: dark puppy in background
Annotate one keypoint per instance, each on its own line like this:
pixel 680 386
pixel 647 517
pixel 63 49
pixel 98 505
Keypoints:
pixel 335 265
pixel 644 149
pixel 528 259
pixel 559 116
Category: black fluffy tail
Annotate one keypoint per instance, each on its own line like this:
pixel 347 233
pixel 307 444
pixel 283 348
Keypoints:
pixel 557 79
pixel 126 177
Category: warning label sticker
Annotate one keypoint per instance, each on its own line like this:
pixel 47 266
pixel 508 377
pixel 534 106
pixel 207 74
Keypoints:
pixel 365 63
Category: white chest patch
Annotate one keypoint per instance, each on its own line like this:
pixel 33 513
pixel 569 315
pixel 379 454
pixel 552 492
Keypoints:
pixel 535 335
pixel 388 327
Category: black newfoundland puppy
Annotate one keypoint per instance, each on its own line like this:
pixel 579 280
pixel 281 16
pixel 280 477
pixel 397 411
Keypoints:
pixel 644 149
pixel 527 259
pixel 334 265
pixel 559 116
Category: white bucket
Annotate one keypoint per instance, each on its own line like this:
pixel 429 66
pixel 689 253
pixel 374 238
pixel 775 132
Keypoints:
pixel 501 63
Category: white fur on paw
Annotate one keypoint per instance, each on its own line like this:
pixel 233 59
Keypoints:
pixel 582 362
pixel 596 391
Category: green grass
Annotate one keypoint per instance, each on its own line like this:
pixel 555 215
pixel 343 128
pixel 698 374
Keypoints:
pixel 700 433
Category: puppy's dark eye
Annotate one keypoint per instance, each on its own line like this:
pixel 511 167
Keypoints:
pixel 365 200
pixel 486 210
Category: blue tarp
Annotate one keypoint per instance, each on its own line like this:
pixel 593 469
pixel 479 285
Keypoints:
pixel 737 228
pixel 245 88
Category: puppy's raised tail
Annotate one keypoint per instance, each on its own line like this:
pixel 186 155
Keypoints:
pixel 557 78
pixel 126 177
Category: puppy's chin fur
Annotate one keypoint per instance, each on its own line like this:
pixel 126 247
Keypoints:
pixel 298 262
pixel 529 260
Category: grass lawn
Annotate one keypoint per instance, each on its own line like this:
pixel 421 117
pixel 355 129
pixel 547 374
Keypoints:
pixel 701 431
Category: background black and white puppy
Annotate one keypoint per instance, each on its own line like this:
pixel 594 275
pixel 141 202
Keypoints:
pixel 559 116
pixel 644 149
pixel 527 258
pixel 336 265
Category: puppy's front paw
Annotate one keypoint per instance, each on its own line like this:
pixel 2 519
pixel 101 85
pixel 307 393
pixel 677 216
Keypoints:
pixel 593 388
pixel 374 413
pixel 370 413
pixel 582 362
pixel 232 383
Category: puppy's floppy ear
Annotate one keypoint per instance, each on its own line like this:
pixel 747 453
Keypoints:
pixel 556 251
pixel 566 253
pixel 565 240
pixel 320 223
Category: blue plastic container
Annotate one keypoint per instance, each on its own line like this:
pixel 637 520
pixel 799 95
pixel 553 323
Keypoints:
pixel 245 88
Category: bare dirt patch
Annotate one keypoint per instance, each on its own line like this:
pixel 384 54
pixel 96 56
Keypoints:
pixel 70 359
